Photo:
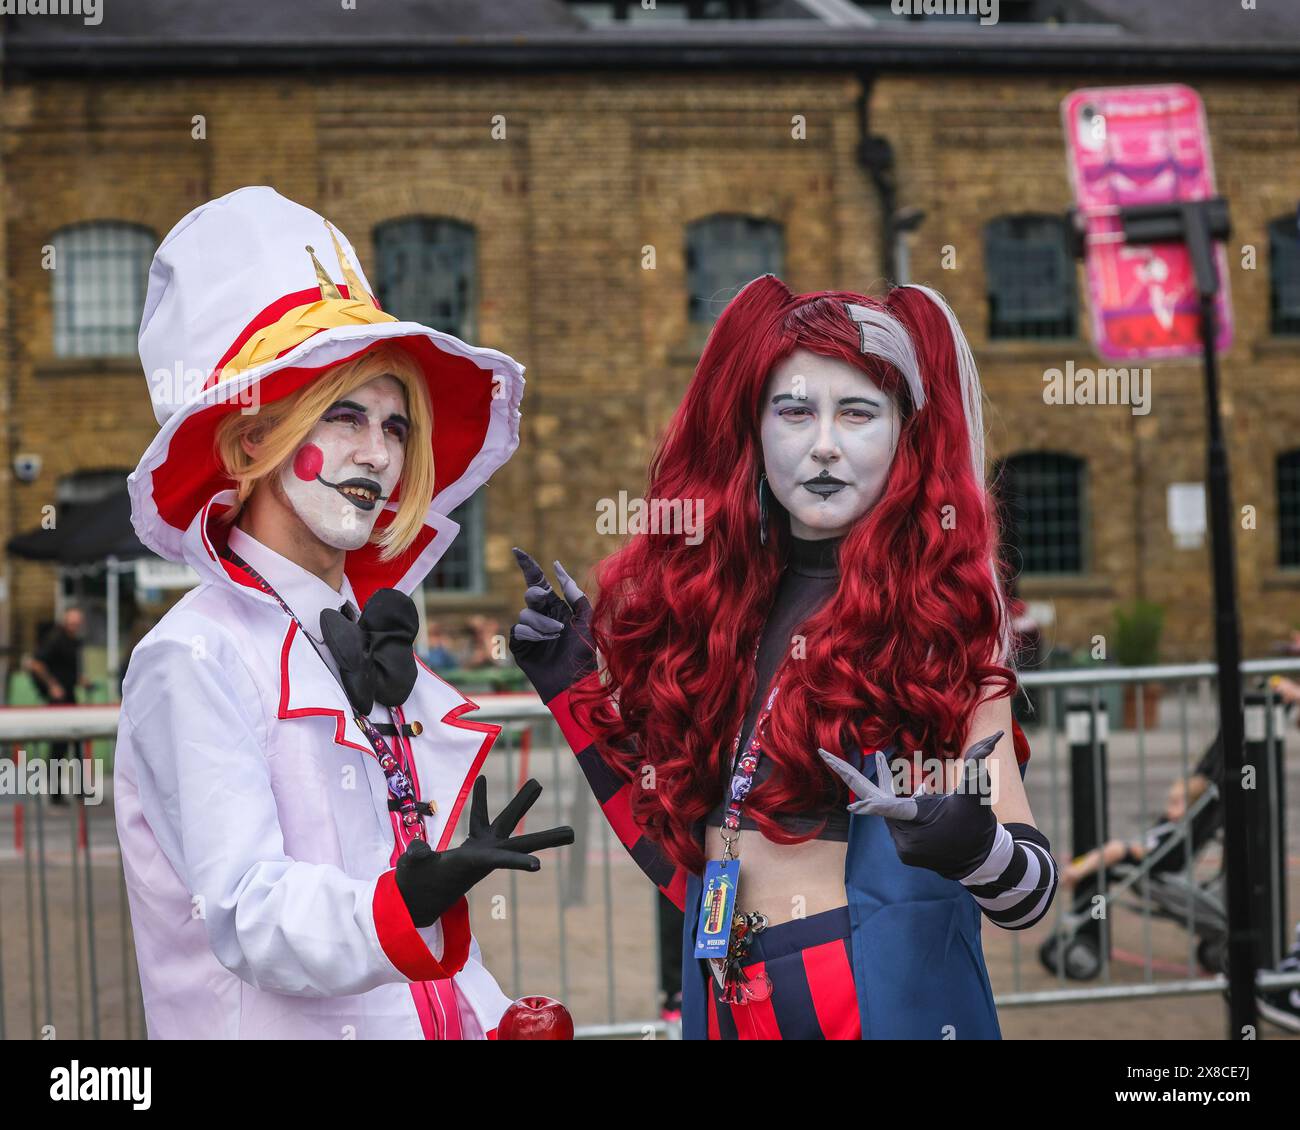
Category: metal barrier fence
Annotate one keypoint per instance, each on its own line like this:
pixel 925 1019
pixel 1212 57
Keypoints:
pixel 584 929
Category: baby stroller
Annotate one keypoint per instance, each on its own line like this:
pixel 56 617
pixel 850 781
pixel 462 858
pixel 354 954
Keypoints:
pixel 1159 879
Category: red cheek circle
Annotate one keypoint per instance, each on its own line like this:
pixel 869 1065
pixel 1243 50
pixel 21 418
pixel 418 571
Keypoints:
pixel 308 462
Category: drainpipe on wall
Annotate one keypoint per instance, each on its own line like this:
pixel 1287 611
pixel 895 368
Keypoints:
pixel 876 157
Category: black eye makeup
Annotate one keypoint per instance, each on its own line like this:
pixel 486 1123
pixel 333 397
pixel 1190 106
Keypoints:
pixel 351 415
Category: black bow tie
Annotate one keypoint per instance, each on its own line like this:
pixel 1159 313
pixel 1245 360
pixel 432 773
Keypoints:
pixel 375 654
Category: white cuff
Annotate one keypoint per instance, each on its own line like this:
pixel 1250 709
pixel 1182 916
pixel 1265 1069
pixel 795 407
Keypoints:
pixel 1004 847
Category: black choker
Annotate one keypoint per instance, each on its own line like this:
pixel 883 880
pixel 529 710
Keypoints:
pixel 819 558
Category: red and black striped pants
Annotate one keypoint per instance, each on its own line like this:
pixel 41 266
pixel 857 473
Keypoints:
pixel 809 961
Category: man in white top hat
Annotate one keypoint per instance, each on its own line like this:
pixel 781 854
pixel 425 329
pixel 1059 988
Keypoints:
pixel 288 776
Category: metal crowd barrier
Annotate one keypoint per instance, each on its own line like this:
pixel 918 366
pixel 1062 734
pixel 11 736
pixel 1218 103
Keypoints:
pixel 583 929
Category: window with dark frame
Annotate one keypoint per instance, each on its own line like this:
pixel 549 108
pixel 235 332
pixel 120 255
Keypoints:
pixel 1288 509
pixel 100 275
pixel 1284 276
pixel 1030 277
pixel 460 570
pixel 723 253
pixel 1042 508
pixel 426 271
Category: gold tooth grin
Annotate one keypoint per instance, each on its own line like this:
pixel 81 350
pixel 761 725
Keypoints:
pixel 359 492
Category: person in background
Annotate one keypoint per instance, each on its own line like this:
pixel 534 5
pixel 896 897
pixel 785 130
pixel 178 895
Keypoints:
pixel 438 654
pixel 484 644
pixel 56 670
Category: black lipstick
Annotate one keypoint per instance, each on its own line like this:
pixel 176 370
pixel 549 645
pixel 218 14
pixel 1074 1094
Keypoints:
pixel 364 484
pixel 825 485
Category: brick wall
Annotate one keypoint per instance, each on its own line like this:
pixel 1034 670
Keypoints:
pixel 594 169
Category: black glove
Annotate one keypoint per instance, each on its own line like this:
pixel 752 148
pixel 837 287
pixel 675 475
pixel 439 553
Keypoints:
pixel 948 833
pixel 552 641
pixel 431 881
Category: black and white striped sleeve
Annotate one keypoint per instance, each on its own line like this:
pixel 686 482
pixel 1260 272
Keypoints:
pixel 1014 886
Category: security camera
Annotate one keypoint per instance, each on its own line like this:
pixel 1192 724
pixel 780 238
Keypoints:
pixel 27 466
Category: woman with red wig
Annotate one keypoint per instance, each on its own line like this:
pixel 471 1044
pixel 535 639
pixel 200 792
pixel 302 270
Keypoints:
pixel 844 598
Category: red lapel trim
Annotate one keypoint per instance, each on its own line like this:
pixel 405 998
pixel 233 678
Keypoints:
pixel 491 732
pixel 340 720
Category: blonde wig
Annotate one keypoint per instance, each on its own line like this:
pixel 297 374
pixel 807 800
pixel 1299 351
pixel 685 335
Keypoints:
pixel 282 425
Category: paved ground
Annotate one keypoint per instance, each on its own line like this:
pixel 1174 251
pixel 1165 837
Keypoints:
pixel 534 946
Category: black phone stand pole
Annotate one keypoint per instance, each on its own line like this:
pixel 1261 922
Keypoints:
pixel 1198 224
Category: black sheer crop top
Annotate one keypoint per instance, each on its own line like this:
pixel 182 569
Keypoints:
pixel 810 579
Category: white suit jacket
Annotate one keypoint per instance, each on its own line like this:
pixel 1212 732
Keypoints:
pixel 255 833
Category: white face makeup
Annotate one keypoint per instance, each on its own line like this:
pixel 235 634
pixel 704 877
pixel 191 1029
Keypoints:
pixel 829 434
pixel 348 465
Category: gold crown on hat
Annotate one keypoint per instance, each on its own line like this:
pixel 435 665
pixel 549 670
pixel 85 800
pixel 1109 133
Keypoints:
pixel 330 311
pixel 328 288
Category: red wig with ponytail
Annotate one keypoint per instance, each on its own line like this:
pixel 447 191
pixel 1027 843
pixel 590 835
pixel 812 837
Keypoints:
pixel 903 651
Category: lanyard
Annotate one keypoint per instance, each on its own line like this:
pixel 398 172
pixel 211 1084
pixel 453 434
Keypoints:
pixel 721 879
pixel 743 769
pixel 393 764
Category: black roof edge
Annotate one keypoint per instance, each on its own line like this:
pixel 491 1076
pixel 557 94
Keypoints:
pixel 102 58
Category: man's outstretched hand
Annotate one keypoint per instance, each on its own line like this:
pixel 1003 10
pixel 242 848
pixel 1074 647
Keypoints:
pixel 432 881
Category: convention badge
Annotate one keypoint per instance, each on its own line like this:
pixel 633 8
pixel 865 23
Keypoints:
pixel 718 901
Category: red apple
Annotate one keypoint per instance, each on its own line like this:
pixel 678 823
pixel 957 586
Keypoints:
pixel 536 1018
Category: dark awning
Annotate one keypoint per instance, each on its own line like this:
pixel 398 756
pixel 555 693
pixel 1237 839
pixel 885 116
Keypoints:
pixel 86 533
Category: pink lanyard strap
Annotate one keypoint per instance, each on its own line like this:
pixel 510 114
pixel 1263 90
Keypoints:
pixel 743 768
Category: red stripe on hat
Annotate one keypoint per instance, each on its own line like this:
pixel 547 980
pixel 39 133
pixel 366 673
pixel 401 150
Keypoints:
pixel 834 996
pixel 269 316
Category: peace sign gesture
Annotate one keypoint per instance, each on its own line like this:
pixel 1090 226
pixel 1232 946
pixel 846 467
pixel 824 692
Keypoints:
pixel 948 833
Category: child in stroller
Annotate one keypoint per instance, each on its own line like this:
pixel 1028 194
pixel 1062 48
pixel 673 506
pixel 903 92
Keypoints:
pixel 1154 867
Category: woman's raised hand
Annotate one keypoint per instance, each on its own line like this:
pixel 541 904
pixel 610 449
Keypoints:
pixel 551 641
pixel 950 833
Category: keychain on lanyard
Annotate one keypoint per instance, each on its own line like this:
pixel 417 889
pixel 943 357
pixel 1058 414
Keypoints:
pixel 402 798
pixel 722 936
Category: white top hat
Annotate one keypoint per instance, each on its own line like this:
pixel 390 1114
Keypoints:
pixel 251 297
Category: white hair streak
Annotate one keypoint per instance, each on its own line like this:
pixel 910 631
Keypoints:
pixel 972 399
pixel 884 336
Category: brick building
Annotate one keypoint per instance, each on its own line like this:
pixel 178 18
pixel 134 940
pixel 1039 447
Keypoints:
pixel 583 185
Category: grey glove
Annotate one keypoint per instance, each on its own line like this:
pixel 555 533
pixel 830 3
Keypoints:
pixel 552 640
pixel 948 833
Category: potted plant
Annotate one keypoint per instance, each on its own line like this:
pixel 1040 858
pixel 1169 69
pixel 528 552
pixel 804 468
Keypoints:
pixel 1137 644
